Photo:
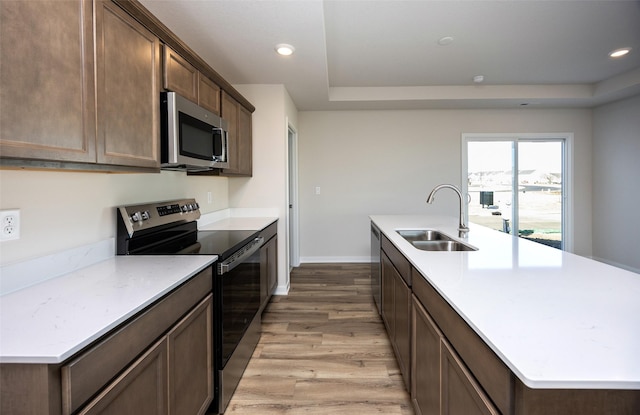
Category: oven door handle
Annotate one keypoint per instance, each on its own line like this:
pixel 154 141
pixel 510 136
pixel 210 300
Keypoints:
pixel 241 255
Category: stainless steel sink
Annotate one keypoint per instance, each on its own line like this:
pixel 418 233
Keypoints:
pixel 433 240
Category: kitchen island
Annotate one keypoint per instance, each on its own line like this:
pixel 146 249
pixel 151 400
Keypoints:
pixel 558 321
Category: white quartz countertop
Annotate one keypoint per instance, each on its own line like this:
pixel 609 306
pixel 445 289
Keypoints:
pixel 54 319
pixel 239 224
pixel 556 319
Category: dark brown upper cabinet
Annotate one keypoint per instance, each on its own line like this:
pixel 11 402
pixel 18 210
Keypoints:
pixel 61 108
pixel 128 89
pixel 240 137
pixel 183 78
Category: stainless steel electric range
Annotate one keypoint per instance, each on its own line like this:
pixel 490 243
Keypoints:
pixel 170 228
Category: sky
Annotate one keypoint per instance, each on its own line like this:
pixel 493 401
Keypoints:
pixel 496 156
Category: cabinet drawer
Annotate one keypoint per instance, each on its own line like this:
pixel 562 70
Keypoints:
pixel 85 375
pixel 270 231
pixel 494 376
pixel 399 261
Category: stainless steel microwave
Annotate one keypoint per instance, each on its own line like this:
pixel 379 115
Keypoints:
pixel 192 138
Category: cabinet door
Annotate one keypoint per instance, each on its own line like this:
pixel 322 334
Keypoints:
pixel 240 137
pixel 140 390
pixel 191 361
pixel 388 295
pixel 402 304
pixel 229 110
pixel 179 75
pixel 46 80
pixel 128 89
pixel 272 280
pixel 268 270
pixel 208 94
pixel 425 362
pixel 245 142
pixel 460 393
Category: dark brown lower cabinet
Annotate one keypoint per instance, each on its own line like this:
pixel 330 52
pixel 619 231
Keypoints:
pixel 425 362
pixel 159 362
pixel 268 264
pixel 440 382
pixel 454 372
pixel 141 389
pixel 460 393
pixel 175 376
pixel 396 313
pixel 387 285
pixel 191 361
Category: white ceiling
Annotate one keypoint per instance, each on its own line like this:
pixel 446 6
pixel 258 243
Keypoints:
pixel 384 54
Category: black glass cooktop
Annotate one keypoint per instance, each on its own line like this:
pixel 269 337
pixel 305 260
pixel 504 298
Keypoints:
pixel 221 243
pixel 187 240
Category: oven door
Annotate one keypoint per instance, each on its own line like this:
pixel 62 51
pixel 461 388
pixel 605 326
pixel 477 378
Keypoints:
pixel 237 318
pixel 240 296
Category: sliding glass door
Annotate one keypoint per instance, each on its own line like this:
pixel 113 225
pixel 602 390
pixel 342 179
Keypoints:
pixel 517 185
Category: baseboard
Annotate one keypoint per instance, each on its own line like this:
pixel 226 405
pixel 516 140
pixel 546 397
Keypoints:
pixel 334 259
pixel 282 289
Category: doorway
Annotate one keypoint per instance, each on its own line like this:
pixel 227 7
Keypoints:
pixel 292 216
pixel 519 185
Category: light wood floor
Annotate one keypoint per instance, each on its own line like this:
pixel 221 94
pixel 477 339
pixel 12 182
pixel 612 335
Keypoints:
pixel 323 351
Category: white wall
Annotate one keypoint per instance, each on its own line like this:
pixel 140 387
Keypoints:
pixel 386 162
pixel 616 191
pixel 61 210
pixel 268 186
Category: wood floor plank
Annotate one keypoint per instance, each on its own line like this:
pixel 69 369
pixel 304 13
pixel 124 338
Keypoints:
pixel 323 350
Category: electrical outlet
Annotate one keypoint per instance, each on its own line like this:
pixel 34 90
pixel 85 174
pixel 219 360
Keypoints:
pixel 209 197
pixel 9 224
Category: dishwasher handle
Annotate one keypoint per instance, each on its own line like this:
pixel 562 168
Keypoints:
pixel 240 256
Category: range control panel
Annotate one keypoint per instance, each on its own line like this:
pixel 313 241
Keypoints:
pixel 176 208
pixel 151 215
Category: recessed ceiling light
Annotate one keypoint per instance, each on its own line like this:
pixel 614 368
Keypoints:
pixel 284 49
pixel 444 41
pixel 618 53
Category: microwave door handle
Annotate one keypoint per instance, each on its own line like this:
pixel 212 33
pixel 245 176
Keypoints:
pixel 224 136
pixel 225 144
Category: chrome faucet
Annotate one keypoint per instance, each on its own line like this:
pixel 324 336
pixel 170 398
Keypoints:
pixel 462 227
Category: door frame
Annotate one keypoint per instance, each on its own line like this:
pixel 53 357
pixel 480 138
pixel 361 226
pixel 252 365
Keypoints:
pixel 567 171
pixel 293 236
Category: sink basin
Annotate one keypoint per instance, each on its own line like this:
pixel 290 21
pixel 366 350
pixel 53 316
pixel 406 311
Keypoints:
pixel 442 246
pixel 432 240
pixel 423 235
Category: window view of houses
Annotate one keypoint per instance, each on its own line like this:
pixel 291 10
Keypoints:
pixel 536 214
